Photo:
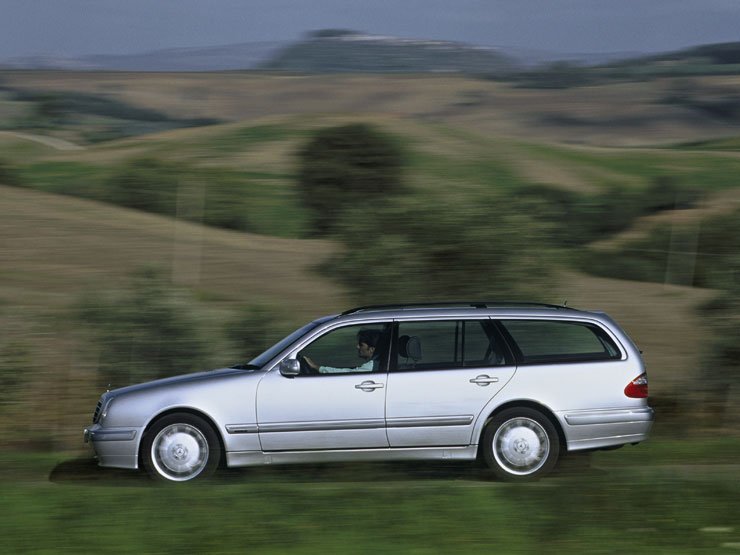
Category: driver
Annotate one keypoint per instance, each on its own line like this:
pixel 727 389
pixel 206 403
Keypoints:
pixel 367 341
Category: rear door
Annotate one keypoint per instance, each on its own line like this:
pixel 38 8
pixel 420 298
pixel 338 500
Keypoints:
pixel 443 372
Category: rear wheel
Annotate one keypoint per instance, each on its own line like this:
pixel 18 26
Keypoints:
pixel 181 447
pixel 520 444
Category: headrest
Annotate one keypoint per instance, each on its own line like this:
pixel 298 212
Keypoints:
pixel 409 347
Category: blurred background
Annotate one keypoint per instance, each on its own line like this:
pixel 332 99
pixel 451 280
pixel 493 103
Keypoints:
pixel 170 210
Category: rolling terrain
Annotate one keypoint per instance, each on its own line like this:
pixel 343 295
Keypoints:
pixel 636 113
pixel 461 138
pixel 598 165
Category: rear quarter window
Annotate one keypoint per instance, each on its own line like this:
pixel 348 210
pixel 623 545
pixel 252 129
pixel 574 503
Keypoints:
pixel 548 341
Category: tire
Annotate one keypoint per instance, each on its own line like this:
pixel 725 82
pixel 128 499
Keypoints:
pixel 520 444
pixel 180 447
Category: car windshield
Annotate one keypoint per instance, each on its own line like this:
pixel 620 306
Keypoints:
pixel 272 352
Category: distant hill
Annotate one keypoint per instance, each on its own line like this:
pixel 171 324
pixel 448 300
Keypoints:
pixel 215 58
pixel 719 54
pixel 326 51
pixel 332 51
pixel 212 58
pixel 699 61
pixel 346 51
pixel 708 59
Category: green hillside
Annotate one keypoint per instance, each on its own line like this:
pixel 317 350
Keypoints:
pixel 215 211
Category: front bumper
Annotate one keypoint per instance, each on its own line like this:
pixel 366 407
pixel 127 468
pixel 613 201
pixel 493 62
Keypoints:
pixel 114 447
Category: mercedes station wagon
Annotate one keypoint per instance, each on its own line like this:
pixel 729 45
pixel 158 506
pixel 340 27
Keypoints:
pixel 513 385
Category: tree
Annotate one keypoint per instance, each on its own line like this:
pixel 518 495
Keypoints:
pixel 345 166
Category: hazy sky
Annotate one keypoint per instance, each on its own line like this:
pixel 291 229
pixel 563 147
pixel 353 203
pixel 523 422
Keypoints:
pixel 75 27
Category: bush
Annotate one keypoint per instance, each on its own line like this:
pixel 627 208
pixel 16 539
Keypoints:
pixel 577 219
pixel 8 174
pixel 558 75
pixel 58 105
pixel 66 178
pixel 146 184
pixel 15 367
pixel 664 193
pixel 482 248
pixel 144 332
pixel 225 203
pixel 720 379
pixel 709 255
pixel 252 331
pixel 347 166
pixel 210 196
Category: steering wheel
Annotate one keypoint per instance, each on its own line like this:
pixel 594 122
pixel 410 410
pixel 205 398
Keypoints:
pixel 305 368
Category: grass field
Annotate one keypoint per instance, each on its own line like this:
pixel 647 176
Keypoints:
pixel 660 497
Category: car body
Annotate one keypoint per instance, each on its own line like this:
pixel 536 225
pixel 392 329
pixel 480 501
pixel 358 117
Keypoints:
pixel 514 384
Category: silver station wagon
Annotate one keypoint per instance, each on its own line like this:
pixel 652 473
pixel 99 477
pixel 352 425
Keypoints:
pixel 514 385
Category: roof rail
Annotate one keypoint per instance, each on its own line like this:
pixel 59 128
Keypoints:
pixel 470 304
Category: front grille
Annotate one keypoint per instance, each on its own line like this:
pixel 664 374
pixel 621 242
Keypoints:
pixel 96 414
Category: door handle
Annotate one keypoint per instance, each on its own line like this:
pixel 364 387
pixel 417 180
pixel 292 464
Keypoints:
pixel 368 386
pixel 483 380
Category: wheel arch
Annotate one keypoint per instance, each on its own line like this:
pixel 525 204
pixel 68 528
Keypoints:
pixel 522 403
pixel 186 410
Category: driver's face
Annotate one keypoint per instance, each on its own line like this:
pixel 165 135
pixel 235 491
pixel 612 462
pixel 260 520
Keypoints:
pixel 365 351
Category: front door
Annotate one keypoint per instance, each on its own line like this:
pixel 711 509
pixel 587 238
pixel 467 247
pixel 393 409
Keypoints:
pixel 338 404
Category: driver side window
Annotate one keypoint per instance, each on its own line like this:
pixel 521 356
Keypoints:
pixel 350 349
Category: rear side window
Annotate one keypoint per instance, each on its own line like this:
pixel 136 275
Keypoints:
pixel 439 345
pixel 547 341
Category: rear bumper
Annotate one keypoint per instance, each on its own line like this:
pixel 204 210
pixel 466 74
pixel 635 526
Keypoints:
pixel 114 447
pixel 606 428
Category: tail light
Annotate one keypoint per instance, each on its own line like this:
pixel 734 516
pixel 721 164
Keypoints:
pixel 637 388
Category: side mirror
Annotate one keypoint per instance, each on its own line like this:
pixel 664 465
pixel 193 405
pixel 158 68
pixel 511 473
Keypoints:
pixel 290 367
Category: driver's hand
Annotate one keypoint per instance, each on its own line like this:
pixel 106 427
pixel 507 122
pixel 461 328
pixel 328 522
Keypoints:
pixel 311 363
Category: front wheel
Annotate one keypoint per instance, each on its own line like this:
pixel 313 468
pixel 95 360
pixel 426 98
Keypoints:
pixel 520 444
pixel 181 447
